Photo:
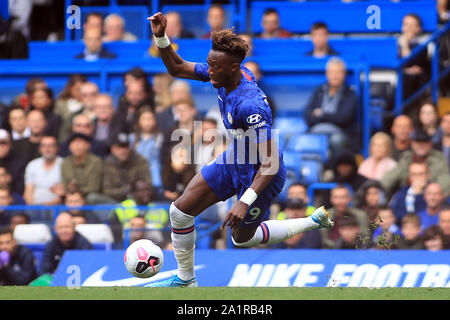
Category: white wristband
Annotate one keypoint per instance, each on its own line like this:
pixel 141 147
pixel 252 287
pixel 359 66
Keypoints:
pixel 162 42
pixel 249 196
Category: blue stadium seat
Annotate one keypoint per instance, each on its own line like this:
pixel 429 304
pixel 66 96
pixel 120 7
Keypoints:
pixel 310 171
pixel 310 146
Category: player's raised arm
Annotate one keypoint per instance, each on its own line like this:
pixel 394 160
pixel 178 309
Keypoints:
pixel 176 66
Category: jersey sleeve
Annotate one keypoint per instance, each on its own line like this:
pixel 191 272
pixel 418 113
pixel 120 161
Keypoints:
pixel 201 71
pixel 256 117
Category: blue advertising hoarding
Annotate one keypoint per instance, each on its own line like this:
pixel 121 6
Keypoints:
pixel 270 268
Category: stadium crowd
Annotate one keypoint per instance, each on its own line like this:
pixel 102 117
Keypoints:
pixel 81 147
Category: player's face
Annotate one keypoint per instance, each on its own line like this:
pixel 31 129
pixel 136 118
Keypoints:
pixel 221 68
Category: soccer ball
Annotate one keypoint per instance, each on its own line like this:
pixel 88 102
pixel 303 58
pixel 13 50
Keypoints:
pixel 143 258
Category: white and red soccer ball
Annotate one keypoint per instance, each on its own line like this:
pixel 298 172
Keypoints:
pixel 143 258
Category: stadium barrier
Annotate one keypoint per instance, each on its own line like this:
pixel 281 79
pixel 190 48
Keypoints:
pixel 269 268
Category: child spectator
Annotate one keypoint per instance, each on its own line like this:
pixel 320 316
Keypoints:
pixel 410 230
pixel 433 238
pixel 379 160
pixel 349 234
pixel 17 263
pixel 386 226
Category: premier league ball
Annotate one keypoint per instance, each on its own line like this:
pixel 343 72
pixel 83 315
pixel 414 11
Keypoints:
pixel 143 258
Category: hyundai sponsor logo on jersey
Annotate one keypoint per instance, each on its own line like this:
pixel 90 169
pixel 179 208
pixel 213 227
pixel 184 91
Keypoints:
pixel 270 268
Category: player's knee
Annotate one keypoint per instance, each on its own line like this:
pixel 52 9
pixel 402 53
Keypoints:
pixel 179 219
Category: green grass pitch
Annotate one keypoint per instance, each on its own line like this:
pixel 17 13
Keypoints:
pixel 221 293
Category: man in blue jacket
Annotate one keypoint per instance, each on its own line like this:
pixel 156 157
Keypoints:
pixel 332 108
pixel 17 263
pixel 66 239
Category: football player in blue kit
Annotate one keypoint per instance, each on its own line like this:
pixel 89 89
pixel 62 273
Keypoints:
pixel 255 177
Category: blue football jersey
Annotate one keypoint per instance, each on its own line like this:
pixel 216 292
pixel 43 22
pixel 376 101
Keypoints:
pixel 243 109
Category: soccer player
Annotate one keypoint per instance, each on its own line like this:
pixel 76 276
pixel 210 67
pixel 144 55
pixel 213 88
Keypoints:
pixel 244 109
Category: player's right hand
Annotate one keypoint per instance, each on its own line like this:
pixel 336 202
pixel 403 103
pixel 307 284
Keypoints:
pixel 159 23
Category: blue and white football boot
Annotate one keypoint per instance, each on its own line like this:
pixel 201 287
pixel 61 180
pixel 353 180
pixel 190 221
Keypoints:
pixel 174 281
pixel 322 218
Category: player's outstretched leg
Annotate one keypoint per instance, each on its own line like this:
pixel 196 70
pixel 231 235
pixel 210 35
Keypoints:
pixel 273 231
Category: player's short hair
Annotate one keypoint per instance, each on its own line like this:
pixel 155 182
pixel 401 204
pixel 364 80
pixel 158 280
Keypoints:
pixel 319 25
pixel 230 43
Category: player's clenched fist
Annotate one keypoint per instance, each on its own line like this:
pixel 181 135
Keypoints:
pixel 159 23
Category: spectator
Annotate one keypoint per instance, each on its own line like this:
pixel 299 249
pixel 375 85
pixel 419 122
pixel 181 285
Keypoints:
pixel 24 99
pixel 43 182
pixel 82 124
pixel 178 167
pixel 82 169
pixel 215 19
pixel 205 152
pixel 296 208
pixel 379 160
pixel 137 229
pixel 17 263
pixel 340 200
pixel 410 198
pixel 444 224
pixel 421 151
pixel 121 168
pixel 297 190
pixel 37 123
pixel 443 144
pixel 254 68
pixel 20 12
pixel 443 11
pixel 180 90
pixel 114 28
pixel 401 130
pixel 104 117
pixel 387 226
pixel 66 239
pixel 161 88
pixel 75 198
pixel 369 198
pixel 410 230
pixel 435 200
pixel 270 23
pixel 94 49
pixel 18 123
pixel 13 44
pixel 138 75
pixel 428 120
pixel 147 141
pixel 42 99
pixel 415 71
pixel 349 234
pixel 433 238
pixel 88 93
pixel 345 170
pixel 13 163
pixel 332 108
pixel 135 97
pixel 319 38
pixel 69 103
pixel 19 218
pixel 142 195
pixel 5 200
pixel 249 40
pixel 94 20
pixel 5 182
pixel 175 29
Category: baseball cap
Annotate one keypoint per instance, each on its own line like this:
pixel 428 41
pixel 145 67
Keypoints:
pixel 77 135
pixel 420 135
pixel 121 140
pixel 295 203
pixel 4 135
